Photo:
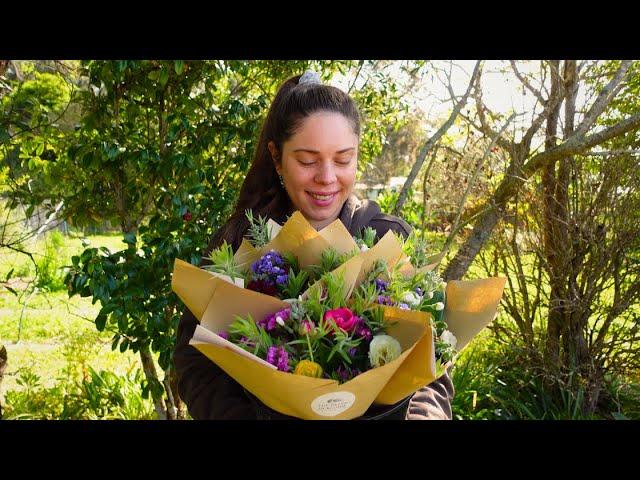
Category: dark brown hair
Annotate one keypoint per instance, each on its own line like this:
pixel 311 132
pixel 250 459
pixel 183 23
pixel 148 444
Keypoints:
pixel 261 191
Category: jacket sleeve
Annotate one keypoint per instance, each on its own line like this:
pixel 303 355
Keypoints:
pixel 433 401
pixel 208 392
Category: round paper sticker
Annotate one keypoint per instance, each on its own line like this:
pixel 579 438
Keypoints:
pixel 332 404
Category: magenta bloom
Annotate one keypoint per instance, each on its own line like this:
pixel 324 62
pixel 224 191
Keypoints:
pixel 307 327
pixel 270 323
pixel 364 332
pixel 223 334
pixel 343 318
pixel 279 357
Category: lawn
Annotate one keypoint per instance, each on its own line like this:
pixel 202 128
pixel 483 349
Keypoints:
pixel 47 334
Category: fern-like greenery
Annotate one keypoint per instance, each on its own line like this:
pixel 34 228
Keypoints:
pixel 258 231
pixel 222 261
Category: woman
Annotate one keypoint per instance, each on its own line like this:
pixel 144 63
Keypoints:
pixel 306 160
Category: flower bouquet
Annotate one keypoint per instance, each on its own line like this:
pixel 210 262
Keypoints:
pixel 355 336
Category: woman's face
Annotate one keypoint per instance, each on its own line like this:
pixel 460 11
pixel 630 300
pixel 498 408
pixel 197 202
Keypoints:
pixel 318 166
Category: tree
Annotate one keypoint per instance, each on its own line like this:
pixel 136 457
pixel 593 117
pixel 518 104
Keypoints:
pixel 570 242
pixel 524 163
pixel 160 151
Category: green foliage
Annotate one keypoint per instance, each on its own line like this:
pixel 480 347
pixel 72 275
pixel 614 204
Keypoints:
pixel 295 283
pixel 329 261
pixel 222 261
pixel 101 395
pixel 412 211
pixel 50 266
pixel 158 149
pixel 258 340
pixel 367 237
pixel 79 391
pixel 496 382
pixel 258 232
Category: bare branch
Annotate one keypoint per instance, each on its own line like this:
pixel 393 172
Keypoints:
pixel 604 98
pixel 433 140
pixel 526 83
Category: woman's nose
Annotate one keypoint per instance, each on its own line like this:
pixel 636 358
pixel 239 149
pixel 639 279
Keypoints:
pixel 326 173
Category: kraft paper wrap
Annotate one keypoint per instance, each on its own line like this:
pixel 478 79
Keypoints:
pixel 215 301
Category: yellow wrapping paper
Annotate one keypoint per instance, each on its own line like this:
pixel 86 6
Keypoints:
pixel 219 301
pixel 215 301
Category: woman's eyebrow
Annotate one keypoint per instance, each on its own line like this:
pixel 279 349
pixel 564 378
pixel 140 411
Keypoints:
pixel 308 150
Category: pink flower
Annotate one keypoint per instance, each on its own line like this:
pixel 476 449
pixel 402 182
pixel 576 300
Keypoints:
pixel 343 318
pixel 307 326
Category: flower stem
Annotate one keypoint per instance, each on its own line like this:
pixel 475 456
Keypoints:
pixel 310 349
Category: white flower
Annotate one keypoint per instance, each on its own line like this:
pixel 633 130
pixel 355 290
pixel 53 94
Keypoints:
pixel 412 298
pixel 439 306
pixel 280 321
pixel 364 248
pixel 450 338
pixel 443 285
pixel 383 349
pixel 429 295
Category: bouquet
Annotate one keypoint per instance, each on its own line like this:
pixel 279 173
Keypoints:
pixel 329 325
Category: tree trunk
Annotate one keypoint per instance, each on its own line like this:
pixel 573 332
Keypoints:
pixel 3 365
pixel 554 253
pixel 150 373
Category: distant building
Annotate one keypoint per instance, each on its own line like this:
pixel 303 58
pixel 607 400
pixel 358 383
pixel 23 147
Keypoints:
pixel 371 192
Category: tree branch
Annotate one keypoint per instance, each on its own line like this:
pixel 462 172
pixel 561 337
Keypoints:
pixel 432 141
pixel 603 99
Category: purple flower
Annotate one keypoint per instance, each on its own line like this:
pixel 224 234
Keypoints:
pixel 223 334
pixel 383 300
pixel 279 357
pixel 345 373
pixel 364 332
pixel 419 291
pixel 381 285
pixel 268 272
pixel 283 361
pixel 270 322
pixel 272 355
pixel 403 306
pixel 352 352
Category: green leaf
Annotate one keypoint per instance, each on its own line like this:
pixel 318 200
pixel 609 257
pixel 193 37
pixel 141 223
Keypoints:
pixel 101 321
pixel 164 77
pixel 130 238
pixel 178 66
pixel 11 290
pixel 619 416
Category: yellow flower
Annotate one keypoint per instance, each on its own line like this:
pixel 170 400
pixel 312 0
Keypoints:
pixel 308 369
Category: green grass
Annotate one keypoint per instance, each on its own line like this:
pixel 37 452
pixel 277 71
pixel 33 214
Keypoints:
pixel 72 245
pixel 53 337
